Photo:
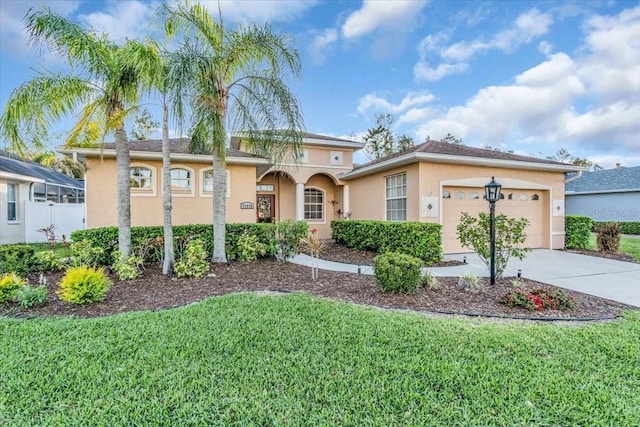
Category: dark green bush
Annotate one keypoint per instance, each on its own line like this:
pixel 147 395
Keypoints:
pixel 418 239
pixel 608 237
pixel 625 227
pixel 107 237
pixel 397 272
pixel 577 231
pixel 19 259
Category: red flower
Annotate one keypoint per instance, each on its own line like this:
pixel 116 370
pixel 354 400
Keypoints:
pixel 314 231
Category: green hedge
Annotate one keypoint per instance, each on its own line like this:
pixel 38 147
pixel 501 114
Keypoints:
pixel 419 239
pixel 107 237
pixel 577 231
pixel 18 259
pixel 396 272
pixel 625 227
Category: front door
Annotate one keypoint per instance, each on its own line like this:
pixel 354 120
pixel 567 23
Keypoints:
pixel 266 207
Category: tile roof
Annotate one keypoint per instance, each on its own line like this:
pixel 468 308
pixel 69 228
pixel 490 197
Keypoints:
pixel 618 179
pixel 11 163
pixel 445 148
pixel 178 146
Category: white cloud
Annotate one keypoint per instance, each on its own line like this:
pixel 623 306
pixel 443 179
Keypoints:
pixel 422 71
pixel 263 10
pixel 385 15
pixel 416 115
pixel 615 123
pixel 454 57
pixel 372 102
pixel 120 20
pixel 545 47
pixel 321 44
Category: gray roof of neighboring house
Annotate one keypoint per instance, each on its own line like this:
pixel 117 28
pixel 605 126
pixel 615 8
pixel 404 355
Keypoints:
pixel 604 181
pixel 10 163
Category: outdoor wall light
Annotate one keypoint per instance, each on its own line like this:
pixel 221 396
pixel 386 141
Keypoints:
pixel 492 194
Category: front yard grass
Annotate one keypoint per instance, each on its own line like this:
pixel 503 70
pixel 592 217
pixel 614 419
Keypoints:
pixel 247 359
pixel 628 245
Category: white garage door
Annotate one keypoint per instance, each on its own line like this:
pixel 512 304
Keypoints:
pixel 516 203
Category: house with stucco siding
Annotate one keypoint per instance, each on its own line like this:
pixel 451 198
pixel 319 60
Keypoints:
pixel 431 182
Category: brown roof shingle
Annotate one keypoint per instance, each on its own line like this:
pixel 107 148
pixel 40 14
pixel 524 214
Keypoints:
pixel 178 146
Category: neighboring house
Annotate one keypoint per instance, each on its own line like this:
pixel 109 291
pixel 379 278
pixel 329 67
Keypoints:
pixel 605 195
pixel 32 197
pixel 432 182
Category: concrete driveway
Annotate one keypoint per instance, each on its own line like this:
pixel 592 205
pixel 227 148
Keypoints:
pixel 615 280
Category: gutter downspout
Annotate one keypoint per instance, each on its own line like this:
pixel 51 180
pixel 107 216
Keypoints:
pixel 573 178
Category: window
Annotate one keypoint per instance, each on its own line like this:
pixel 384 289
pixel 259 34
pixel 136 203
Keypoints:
pixel 513 196
pixel 313 204
pixel 460 195
pixel 12 202
pixel 524 197
pixel 474 195
pixel 396 197
pixel 446 194
pixel 181 179
pixel 140 177
pixel 535 197
pixel 206 186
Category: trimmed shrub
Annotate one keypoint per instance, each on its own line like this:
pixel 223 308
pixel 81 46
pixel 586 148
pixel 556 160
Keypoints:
pixel 107 238
pixel 126 268
pixel 9 285
pixel 29 296
pixel 289 235
pixel 194 262
pixel 608 237
pixel 397 272
pixel 48 261
pixel 83 285
pixel 577 231
pixel 250 248
pixel 418 239
pixel 85 253
pixel 18 259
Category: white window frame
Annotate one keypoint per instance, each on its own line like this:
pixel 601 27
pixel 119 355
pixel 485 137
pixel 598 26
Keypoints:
pixel 16 189
pixel 145 192
pixel 322 193
pixel 180 191
pixel 393 193
pixel 209 193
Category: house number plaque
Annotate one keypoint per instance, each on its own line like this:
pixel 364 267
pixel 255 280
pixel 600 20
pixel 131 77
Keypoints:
pixel 246 205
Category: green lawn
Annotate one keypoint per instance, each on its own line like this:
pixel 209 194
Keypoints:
pixel 299 360
pixel 628 245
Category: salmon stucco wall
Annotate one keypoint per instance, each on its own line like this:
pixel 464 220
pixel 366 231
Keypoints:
pixel 193 206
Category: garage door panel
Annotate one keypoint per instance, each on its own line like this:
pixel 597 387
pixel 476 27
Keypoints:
pixel 521 206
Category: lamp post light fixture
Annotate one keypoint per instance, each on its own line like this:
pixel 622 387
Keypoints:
pixel 492 194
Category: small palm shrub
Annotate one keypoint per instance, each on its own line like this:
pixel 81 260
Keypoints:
pixel 31 296
pixel 83 285
pixel 48 261
pixel 470 283
pixel 194 261
pixel 538 299
pixel 85 254
pixel 9 285
pixel 430 281
pixel 608 237
pixel 397 272
pixel 126 268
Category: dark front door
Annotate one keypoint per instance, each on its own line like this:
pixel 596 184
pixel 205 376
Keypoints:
pixel 266 207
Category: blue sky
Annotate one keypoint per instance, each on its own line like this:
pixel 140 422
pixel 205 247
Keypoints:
pixel 527 76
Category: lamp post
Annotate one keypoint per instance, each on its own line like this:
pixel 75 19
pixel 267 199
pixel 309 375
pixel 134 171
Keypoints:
pixel 492 194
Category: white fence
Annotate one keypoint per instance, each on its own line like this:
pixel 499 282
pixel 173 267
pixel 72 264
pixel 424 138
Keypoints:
pixel 67 217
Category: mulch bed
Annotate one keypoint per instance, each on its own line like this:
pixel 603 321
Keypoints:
pixel 153 291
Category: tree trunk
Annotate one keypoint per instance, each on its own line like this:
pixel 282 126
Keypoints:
pixel 123 165
pixel 219 207
pixel 167 265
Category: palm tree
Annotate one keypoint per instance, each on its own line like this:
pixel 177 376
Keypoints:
pixel 102 83
pixel 238 80
pixel 65 165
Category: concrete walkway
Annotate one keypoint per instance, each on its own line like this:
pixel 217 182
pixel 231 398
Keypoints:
pixel 615 280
